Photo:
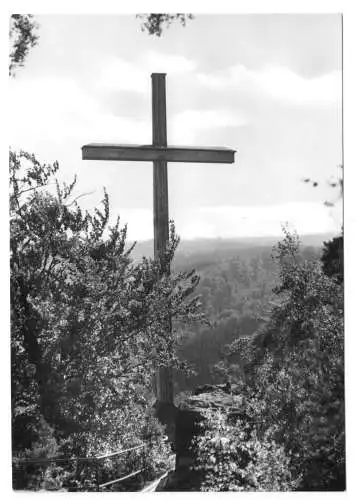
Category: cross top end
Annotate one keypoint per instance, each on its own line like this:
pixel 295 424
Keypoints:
pixel 157 75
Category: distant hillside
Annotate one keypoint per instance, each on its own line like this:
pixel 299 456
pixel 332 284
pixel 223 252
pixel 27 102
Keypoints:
pixel 237 277
pixel 224 247
pixel 236 292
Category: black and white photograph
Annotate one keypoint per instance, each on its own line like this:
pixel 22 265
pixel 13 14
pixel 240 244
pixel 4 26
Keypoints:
pixel 176 256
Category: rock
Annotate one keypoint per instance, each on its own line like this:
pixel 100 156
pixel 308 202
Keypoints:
pixel 188 425
pixel 212 388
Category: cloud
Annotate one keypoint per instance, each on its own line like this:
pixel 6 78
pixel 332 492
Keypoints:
pixel 186 125
pixel 235 221
pixel 54 110
pixel 139 223
pixel 251 221
pixel 206 119
pixel 279 83
pixel 48 111
pixel 118 74
pixel 155 62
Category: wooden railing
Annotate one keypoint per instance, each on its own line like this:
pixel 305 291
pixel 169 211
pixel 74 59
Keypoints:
pixel 95 464
pixel 133 473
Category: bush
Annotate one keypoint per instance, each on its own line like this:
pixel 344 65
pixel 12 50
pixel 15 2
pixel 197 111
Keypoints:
pixel 84 318
pixel 231 457
pixel 293 371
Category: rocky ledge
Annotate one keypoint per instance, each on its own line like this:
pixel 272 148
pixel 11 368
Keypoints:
pixel 188 419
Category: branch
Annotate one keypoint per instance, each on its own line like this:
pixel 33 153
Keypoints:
pixel 80 196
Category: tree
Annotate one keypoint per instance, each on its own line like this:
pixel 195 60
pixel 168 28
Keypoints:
pixel 333 183
pixel 333 258
pixel 333 251
pixel 297 370
pixel 290 374
pixel 231 456
pixel 154 24
pixel 84 319
pixel 23 37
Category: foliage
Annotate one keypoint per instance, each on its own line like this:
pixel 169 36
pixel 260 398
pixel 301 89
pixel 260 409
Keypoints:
pixel 290 375
pixel 333 183
pixel 294 371
pixel 23 37
pixel 159 454
pixel 232 457
pixel 306 340
pixel 333 258
pixel 84 318
pixel 333 251
pixel 34 476
pixel 154 24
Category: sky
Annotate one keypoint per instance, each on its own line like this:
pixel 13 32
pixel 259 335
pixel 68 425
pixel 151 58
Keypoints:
pixel 268 86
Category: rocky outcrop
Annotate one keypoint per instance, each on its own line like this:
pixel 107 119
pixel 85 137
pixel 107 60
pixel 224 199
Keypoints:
pixel 202 389
pixel 189 418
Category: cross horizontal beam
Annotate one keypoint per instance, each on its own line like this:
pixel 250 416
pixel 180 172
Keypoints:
pixel 119 152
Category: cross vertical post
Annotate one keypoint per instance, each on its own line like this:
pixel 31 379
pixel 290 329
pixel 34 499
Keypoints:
pixel 160 180
pixel 163 382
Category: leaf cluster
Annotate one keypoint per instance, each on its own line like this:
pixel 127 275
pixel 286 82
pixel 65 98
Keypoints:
pixel 232 457
pixel 23 37
pixel 154 24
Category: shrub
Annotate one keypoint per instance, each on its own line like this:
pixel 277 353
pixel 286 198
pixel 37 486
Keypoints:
pixel 231 457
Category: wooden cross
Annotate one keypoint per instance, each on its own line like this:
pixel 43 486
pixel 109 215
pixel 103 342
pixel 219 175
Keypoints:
pixel 160 153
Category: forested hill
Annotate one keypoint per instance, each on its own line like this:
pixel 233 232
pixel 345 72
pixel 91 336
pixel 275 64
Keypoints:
pixel 236 282
pixel 199 250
